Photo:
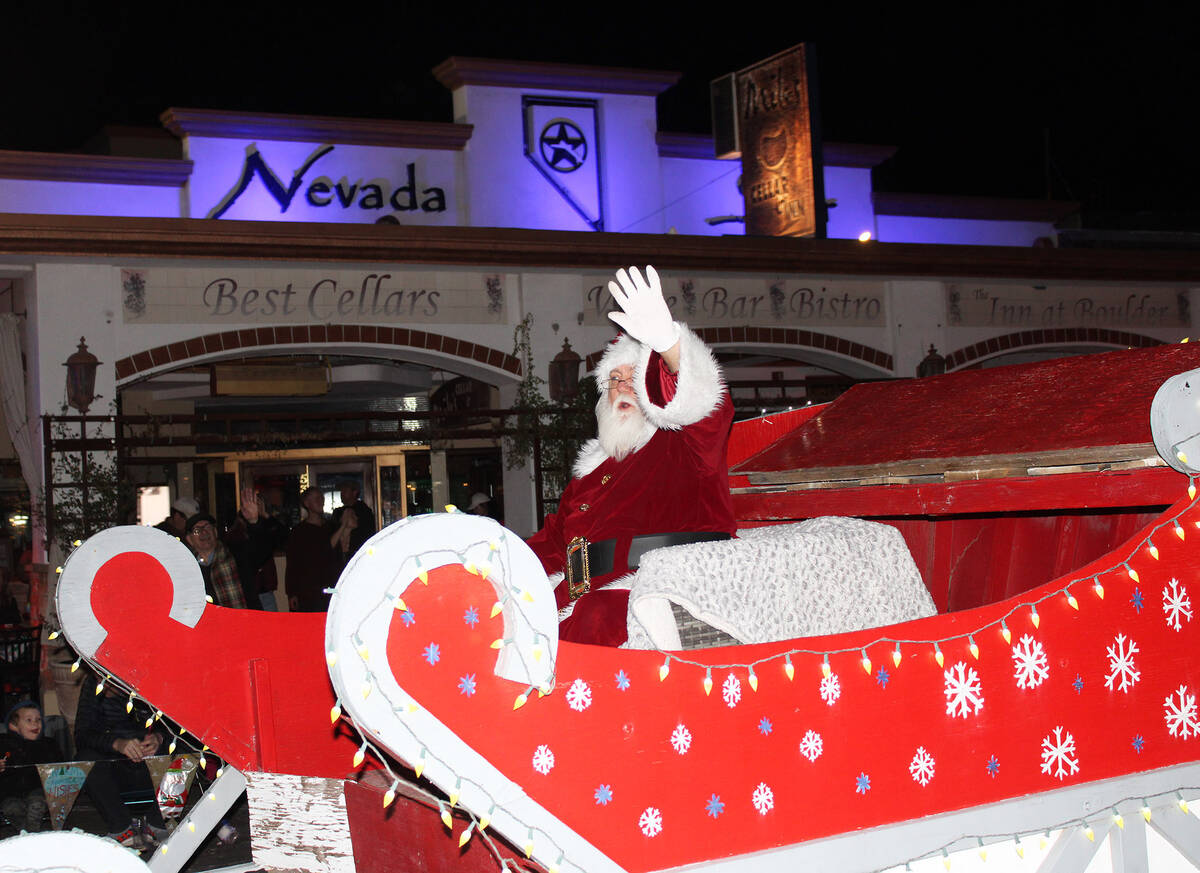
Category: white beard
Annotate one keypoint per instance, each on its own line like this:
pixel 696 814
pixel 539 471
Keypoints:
pixel 621 433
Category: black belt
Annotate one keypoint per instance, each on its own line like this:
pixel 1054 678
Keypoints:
pixel 585 559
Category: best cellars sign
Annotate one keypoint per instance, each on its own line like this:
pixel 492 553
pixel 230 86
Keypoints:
pixel 169 295
pixel 375 196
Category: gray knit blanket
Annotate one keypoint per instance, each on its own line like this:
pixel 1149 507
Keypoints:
pixel 821 576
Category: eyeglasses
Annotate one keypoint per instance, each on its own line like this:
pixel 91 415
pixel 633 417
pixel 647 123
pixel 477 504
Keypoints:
pixel 203 527
pixel 613 382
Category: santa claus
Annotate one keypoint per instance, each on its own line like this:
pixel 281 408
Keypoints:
pixel 656 474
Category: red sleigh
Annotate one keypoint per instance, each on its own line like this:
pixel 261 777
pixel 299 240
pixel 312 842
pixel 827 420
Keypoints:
pixel 1071 679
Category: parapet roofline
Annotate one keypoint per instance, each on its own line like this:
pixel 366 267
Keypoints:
pixel 455 72
pixel 316 128
pixel 109 169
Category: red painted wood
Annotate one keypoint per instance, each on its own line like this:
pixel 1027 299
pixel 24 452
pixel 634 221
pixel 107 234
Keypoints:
pixel 205 685
pixel 1145 488
pixel 753 435
pixel 1092 400
pixel 264 714
pixel 409 835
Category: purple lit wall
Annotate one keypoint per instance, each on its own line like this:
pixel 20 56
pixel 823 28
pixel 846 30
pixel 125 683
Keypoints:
pixel 88 198
pixel 961 231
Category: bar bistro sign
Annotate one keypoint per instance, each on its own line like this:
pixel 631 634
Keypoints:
pixel 781 177
pixel 721 302
pixel 167 295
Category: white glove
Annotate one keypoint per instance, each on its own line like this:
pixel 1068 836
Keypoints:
pixel 645 316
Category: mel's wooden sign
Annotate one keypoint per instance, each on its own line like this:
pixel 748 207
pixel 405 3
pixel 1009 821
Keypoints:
pixel 781 176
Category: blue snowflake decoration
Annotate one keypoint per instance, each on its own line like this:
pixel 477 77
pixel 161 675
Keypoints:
pixel 622 680
pixel 1077 684
pixel 715 806
pixel 471 617
pixel 408 618
pixel 862 783
pixel 882 677
pixel 993 766
pixel 432 653
pixel 1135 600
pixel 764 726
pixel 603 795
pixel 466 685
pixel 1138 742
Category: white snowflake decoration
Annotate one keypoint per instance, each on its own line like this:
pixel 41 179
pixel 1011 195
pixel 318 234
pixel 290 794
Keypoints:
pixel 921 767
pixel 651 822
pixel 1058 755
pixel 731 690
pixel 1029 659
pixel 543 760
pixel 681 739
pixel 812 745
pixel 964 694
pixel 831 688
pixel 1180 715
pixel 1176 604
pixel 1121 669
pixel 763 798
pixel 579 695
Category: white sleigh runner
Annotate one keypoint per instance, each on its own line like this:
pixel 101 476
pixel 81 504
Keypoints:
pixel 850 751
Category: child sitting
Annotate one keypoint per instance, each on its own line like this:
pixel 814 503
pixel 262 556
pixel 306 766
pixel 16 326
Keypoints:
pixel 21 750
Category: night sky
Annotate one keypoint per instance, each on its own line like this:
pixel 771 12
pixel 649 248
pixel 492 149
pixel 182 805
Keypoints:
pixel 975 101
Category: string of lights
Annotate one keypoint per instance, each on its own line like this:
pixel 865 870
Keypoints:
pixel 510 603
pixel 1144 805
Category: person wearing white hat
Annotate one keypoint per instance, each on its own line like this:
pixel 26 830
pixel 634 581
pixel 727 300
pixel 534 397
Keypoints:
pixel 656 474
pixel 479 504
pixel 181 510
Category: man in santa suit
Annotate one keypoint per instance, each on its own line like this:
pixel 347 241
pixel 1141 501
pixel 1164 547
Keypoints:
pixel 655 476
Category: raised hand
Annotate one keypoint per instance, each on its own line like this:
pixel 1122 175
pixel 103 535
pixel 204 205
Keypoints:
pixel 644 315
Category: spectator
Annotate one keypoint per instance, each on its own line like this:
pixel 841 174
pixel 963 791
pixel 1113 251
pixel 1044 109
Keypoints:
pixel 217 565
pixel 181 510
pixel 313 554
pixel 253 539
pixel 21 749
pixel 364 526
pixel 119 743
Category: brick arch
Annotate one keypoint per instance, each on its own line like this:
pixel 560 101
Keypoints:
pixel 784 336
pixel 996 345
pixel 264 338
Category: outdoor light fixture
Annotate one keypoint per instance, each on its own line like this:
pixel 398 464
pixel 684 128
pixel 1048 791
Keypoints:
pixel 564 374
pixel 933 364
pixel 81 378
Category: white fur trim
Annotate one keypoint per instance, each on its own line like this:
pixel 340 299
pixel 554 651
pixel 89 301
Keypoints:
pixel 697 394
pixel 626 350
pixel 621 583
pixel 699 389
pixel 589 458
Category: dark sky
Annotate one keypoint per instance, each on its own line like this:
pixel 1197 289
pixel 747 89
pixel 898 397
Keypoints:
pixel 975 100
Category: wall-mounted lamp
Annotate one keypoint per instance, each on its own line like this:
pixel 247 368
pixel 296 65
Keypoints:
pixel 564 374
pixel 81 378
pixel 933 364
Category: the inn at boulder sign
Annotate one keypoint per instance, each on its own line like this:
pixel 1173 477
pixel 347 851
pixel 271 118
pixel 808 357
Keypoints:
pixel 370 196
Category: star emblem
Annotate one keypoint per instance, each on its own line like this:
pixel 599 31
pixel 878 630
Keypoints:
pixel 563 145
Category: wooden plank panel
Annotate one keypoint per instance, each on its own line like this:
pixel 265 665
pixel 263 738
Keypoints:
pixel 1065 403
pixel 1146 489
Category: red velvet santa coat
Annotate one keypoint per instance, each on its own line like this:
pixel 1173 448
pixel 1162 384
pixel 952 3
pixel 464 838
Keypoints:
pixel 678 481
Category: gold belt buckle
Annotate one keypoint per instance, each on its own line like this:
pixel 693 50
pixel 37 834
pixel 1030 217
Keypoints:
pixel 578 588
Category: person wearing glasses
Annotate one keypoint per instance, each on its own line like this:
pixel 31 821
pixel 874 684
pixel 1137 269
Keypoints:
pixel 656 474
pixel 217 564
